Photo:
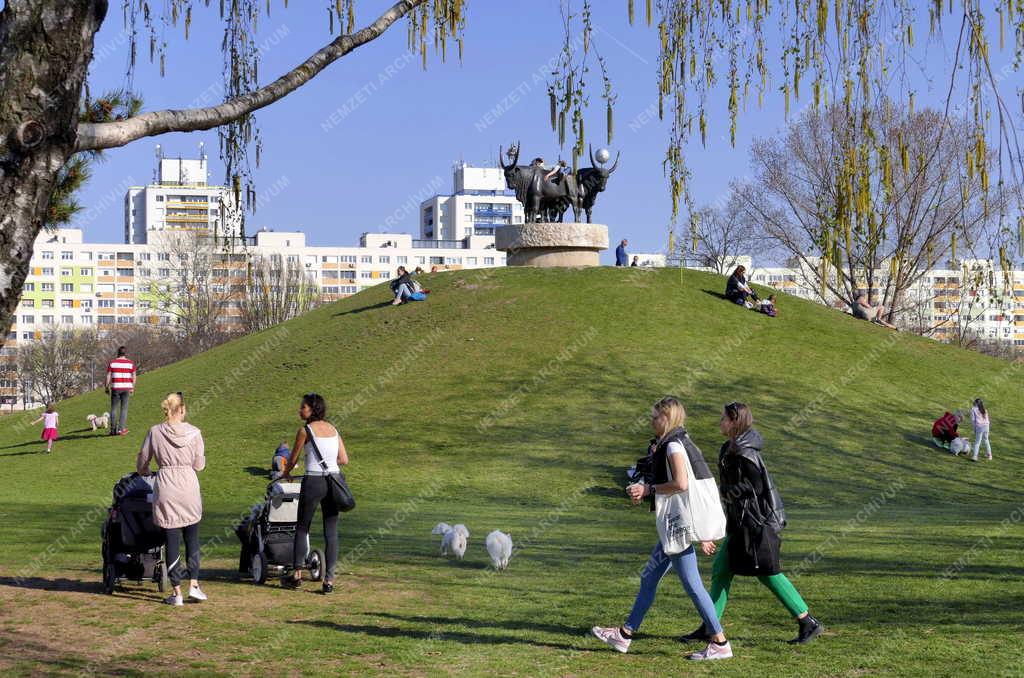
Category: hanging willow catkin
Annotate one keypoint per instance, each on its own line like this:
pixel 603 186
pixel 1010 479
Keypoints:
pixel 553 105
pixel 608 113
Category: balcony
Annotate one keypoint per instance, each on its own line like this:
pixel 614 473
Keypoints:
pixel 441 244
pixel 493 212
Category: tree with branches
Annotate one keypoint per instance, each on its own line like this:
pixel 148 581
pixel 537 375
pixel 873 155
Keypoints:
pixel 277 289
pixel 870 203
pixel 725 231
pixel 57 365
pixel 849 53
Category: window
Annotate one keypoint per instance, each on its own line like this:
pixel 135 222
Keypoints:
pixel 27 335
pixel 365 274
pixel 384 259
pixel 47 303
pixel 488 261
pixel 163 256
pixel 366 259
pixel 385 274
pixel 65 272
pixel 28 303
pixel 66 303
pixel 85 288
pixel 47 271
pixel 85 271
pixel 159 198
pixel 67 256
pixel 436 260
pixel 47 319
pixel 163 272
pixel 348 259
pixel 86 320
pixel 106 272
pixel 105 303
pixel 47 256
pixel 330 290
pixel 125 289
pixel 468 230
pixel 145 272
pixel 453 260
pixel 125 303
pixel 87 256
pixel 402 260
pixel 105 255
pixel 470 261
pixel 144 256
pixel 67 319
pixel 29 287
pixel 106 320
pixel 67 287
pixel 126 272
pixel 28 319
pixel 47 287
pixel 86 304
pixel 421 260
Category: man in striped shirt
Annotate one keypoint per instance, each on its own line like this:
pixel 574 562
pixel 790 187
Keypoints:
pixel 120 385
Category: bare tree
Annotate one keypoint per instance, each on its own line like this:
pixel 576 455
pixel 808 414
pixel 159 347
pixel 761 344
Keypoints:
pixel 722 232
pixel 197 286
pixel 871 202
pixel 58 364
pixel 277 289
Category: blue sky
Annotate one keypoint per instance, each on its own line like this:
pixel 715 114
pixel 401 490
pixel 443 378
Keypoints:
pixel 337 177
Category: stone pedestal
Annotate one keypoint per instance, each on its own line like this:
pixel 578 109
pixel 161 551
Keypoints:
pixel 552 244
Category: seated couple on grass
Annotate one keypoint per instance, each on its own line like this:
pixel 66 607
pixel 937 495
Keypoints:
pixel 407 289
pixel 739 291
pixel 862 309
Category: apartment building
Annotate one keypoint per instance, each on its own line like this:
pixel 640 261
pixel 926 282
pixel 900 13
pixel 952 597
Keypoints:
pixel 479 204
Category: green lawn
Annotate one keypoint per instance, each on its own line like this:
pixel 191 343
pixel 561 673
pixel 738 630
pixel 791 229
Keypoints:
pixel 514 399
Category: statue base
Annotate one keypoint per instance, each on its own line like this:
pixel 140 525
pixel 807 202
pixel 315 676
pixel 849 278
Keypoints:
pixel 552 244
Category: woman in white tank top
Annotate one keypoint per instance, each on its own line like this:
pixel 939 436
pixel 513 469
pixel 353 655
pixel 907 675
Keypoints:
pixel 316 487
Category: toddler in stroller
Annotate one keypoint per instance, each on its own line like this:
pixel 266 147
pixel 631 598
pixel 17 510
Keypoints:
pixel 132 545
pixel 268 535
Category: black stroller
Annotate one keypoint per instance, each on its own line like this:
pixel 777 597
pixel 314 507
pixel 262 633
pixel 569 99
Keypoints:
pixel 133 547
pixel 268 536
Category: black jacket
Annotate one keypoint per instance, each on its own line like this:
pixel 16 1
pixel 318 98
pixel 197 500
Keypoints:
pixel 753 508
pixel 659 458
pixel 404 279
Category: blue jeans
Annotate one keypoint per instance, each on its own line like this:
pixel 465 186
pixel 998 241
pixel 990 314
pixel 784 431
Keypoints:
pixel 685 565
pixel 403 292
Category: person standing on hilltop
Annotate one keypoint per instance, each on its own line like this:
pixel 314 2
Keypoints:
pixel 120 385
pixel 621 258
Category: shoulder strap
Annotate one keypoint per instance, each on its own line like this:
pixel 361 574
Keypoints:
pixel 311 439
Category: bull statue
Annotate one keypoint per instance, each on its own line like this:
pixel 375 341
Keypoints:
pixel 590 181
pixel 547 200
pixel 542 199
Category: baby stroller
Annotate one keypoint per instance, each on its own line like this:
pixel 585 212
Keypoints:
pixel 133 546
pixel 268 536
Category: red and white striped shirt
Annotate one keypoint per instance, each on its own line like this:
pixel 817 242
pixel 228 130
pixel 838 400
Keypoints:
pixel 121 372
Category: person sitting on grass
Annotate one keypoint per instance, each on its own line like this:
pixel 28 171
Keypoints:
pixel 768 307
pixel 279 461
pixel 863 309
pixel 402 286
pixel 50 419
pixel 944 430
pixel 737 289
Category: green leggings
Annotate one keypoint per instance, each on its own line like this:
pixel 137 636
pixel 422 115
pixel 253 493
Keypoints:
pixel 721 580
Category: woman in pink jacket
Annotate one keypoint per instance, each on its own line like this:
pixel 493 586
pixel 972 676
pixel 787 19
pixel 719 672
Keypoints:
pixel 178 449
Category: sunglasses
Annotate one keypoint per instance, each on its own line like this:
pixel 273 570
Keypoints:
pixel 732 409
pixel 181 396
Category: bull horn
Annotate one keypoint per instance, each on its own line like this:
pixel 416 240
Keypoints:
pixel 501 163
pixel 590 147
pixel 616 163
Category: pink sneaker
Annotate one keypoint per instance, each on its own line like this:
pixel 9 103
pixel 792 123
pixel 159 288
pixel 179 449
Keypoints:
pixel 612 636
pixel 713 651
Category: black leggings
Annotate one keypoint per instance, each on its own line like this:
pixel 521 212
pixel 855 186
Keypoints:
pixel 316 489
pixel 174 568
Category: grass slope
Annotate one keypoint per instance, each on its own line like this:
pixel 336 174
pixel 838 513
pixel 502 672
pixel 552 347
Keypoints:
pixel 513 399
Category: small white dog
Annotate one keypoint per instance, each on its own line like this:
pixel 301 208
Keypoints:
pixel 453 539
pixel 499 545
pixel 959 446
pixel 102 421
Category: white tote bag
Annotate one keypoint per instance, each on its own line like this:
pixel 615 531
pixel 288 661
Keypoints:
pixel 693 515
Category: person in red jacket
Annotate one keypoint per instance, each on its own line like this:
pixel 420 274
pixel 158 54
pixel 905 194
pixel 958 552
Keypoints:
pixel 944 429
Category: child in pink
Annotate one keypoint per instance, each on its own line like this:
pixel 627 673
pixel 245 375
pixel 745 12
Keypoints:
pixel 49 419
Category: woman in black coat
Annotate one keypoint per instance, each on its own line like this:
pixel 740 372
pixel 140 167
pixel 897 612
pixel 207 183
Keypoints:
pixel 737 289
pixel 754 517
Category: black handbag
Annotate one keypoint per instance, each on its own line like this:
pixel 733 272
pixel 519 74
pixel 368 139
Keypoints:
pixel 342 496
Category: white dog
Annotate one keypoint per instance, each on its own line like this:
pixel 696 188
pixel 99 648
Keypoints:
pixel 959 446
pixel 102 421
pixel 499 545
pixel 453 539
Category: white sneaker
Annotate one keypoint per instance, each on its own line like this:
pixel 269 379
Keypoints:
pixel 713 651
pixel 174 599
pixel 612 637
pixel 195 593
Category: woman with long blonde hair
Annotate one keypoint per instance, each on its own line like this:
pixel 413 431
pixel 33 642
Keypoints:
pixel 668 419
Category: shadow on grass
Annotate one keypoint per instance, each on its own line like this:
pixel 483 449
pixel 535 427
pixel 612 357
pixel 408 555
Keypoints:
pixel 82 434
pixel 362 309
pixel 463 637
pixel 261 471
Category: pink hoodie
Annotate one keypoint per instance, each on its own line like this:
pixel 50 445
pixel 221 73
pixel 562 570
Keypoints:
pixel 180 452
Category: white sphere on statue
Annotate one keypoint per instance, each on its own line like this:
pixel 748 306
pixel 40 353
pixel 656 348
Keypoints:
pixel 602 155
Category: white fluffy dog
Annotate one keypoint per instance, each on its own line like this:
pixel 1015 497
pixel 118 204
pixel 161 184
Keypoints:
pixel 454 539
pixel 499 545
pixel 959 446
pixel 102 421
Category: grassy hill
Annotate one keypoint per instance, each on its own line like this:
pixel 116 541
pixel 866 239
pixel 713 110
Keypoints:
pixel 513 399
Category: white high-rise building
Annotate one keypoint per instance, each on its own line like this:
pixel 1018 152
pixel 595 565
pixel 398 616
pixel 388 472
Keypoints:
pixel 179 199
pixel 478 205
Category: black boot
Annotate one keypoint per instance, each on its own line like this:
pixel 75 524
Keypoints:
pixel 698 635
pixel 810 628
